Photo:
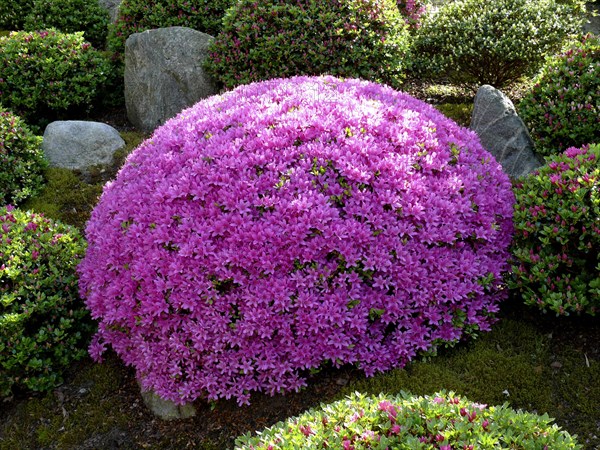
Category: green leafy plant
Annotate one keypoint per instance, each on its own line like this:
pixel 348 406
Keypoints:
pixel 475 42
pixel 48 74
pixel 44 326
pixel 556 265
pixel 13 13
pixel 21 160
pixel 276 38
pixel 563 107
pixel 443 421
pixel 70 16
pixel 136 16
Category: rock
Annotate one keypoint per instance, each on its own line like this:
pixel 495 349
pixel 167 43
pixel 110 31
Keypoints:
pixel 166 409
pixel 112 6
pixel 593 17
pixel 503 133
pixel 80 145
pixel 164 74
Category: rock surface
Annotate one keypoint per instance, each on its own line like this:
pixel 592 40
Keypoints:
pixel 166 409
pixel 503 133
pixel 112 6
pixel 164 74
pixel 80 145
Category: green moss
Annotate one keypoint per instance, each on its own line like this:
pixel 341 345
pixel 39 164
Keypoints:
pixel 459 112
pixel 89 409
pixel 65 198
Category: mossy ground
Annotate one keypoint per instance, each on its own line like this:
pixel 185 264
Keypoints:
pixel 537 363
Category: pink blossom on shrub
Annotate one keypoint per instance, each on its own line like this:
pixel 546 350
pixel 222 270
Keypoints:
pixel 287 223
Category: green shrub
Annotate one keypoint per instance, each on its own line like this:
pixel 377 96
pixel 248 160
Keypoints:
pixel 475 42
pixel 136 16
pixel 556 263
pixel 13 12
pixel 70 16
pixel 21 160
pixel 443 421
pixel 563 108
pixel 277 38
pixel 48 74
pixel 43 324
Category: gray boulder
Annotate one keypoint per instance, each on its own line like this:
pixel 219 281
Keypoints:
pixel 112 6
pixel 163 74
pixel 503 133
pixel 80 145
pixel 166 409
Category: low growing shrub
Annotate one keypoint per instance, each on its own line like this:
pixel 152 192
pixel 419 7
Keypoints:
pixel 563 108
pixel 136 16
pixel 280 38
pixel 48 74
pixel 295 222
pixel 44 326
pixel 21 160
pixel 557 234
pixel 70 16
pixel 476 42
pixel 442 421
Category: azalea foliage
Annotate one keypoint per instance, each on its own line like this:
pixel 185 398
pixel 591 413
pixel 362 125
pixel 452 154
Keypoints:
pixel 291 223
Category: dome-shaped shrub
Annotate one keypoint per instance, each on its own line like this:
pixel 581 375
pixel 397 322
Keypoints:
pixel 442 421
pixel 289 223
pixel 44 326
pixel 47 74
pixel 70 16
pixel 280 38
pixel 557 234
pixel 136 16
pixel 563 108
pixel 21 160
pixel 476 42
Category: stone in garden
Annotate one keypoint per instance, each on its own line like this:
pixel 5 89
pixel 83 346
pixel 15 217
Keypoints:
pixel 80 145
pixel 166 409
pixel 112 6
pixel 164 74
pixel 593 17
pixel 503 133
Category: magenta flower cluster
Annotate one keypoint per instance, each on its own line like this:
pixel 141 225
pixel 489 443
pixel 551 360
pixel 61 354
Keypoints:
pixel 290 223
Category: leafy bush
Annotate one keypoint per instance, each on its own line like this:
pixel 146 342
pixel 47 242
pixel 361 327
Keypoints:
pixel 278 38
pixel 136 16
pixel 13 13
pixel 70 16
pixel 563 108
pixel 44 74
pixel 21 160
pixel 476 42
pixel 286 211
pixel 43 323
pixel 557 237
pixel 442 421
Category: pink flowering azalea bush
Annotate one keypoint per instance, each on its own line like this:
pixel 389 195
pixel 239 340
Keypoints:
pixel 290 223
pixel 556 264
pixel 443 421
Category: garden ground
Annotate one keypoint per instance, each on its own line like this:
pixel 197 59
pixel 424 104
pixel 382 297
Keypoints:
pixel 535 362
